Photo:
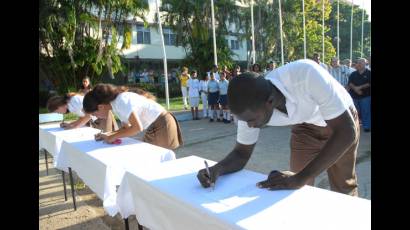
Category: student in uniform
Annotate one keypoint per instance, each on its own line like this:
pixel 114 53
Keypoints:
pixel 73 103
pixel 193 92
pixel 213 95
pixel 183 78
pixel 223 98
pixel 203 90
pixel 137 112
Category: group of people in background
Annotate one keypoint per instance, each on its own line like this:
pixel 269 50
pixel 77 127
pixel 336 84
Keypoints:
pixel 356 79
pixel 211 89
pixel 137 110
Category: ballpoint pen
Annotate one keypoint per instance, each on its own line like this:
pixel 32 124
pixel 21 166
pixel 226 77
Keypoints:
pixel 209 174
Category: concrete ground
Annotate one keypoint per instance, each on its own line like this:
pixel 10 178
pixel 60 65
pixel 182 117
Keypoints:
pixel 202 138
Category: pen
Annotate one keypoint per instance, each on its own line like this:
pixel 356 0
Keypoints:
pixel 209 174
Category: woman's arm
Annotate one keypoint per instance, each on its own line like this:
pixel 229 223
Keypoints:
pixel 79 122
pixel 134 128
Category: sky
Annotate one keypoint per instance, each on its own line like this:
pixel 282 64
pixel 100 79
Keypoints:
pixel 366 4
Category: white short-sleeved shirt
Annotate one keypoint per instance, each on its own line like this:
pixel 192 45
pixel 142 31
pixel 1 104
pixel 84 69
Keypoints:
pixel 213 86
pixel 223 87
pixel 324 66
pixel 147 110
pixel 312 96
pixel 193 85
pixel 75 105
pixel 203 85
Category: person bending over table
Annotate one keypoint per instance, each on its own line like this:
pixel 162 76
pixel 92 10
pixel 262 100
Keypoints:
pixel 73 102
pixel 325 126
pixel 137 111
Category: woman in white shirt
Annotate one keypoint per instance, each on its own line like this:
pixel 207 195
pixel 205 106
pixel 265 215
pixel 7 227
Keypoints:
pixel 203 90
pixel 193 92
pixel 137 112
pixel 73 103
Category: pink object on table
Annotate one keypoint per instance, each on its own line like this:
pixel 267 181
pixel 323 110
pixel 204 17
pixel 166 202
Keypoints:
pixel 117 141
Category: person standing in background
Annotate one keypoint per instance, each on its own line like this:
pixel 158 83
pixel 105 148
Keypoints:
pixel 183 78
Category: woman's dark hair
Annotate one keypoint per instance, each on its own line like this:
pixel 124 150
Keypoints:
pixel 56 101
pixel 254 65
pixel 89 85
pixel 106 93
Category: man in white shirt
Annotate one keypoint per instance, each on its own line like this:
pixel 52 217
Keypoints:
pixel 325 126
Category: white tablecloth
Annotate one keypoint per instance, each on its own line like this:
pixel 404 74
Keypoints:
pixel 51 137
pixel 101 166
pixel 169 196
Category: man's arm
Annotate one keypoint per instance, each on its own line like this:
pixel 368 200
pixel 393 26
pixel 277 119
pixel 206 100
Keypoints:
pixel 367 85
pixel 343 136
pixel 235 161
pixel 357 89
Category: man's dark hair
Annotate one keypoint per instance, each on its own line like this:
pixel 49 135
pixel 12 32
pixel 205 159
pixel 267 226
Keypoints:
pixel 248 91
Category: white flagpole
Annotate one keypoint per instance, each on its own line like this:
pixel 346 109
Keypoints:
pixel 361 48
pixel 338 36
pixel 213 32
pixel 351 34
pixel 165 55
pixel 281 33
pixel 323 29
pixel 253 54
pixel 304 29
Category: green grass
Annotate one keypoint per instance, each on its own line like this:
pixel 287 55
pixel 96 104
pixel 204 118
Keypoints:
pixel 67 117
pixel 175 104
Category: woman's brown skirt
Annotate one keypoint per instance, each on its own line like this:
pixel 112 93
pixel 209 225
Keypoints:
pixel 164 132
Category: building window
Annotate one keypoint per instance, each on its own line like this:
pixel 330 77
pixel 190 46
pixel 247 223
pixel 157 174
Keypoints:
pixel 235 44
pixel 143 35
pixel 170 38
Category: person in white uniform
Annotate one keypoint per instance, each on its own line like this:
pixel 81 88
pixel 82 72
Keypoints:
pixel 223 98
pixel 325 127
pixel 137 111
pixel 193 92
pixel 203 90
pixel 73 102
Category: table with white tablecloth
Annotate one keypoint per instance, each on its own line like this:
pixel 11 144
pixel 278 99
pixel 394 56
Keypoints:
pixel 100 165
pixel 51 138
pixel 169 196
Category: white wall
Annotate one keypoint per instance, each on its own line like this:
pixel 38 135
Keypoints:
pixel 154 50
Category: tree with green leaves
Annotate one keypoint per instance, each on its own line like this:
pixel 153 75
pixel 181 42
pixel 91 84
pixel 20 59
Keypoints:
pixel 267 35
pixel 191 20
pixel 80 38
pixel 345 10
